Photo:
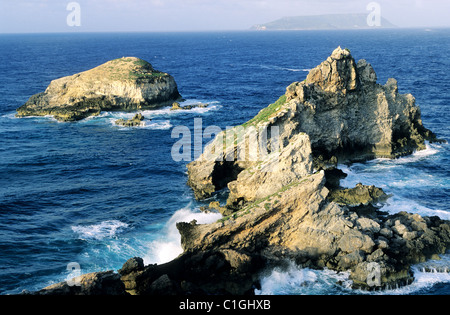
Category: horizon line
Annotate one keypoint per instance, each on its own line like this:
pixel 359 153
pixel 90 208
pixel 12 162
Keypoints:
pixel 227 30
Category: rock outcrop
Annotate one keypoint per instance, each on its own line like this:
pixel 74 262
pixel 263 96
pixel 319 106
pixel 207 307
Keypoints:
pixel 285 190
pixel 300 223
pixel 97 283
pixel 136 121
pixel 177 106
pixel 345 113
pixel 126 84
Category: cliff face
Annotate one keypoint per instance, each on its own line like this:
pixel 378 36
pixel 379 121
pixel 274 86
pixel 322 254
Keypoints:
pixel 121 84
pixel 340 107
pixel 346 113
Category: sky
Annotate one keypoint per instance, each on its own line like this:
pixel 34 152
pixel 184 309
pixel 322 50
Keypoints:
pixel 31 16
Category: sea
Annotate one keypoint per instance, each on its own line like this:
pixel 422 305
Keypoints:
pixel 92 194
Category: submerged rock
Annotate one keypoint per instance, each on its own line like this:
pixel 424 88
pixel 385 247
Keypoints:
pixel 121 84
pixel 176 106
pixel 136 121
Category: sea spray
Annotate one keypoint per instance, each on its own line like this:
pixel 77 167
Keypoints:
pixel 106 229
pixel 294 280
pixel 168 246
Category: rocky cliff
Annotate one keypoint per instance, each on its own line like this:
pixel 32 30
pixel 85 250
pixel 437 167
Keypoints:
pixel 121 84
pixel 345 113
pixel 286 199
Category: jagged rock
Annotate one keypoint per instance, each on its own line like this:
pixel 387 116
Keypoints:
pixel 99 283
pixel 121 84
pixel 132 265
pixel 361 195
pixel 283 208
pixel 301 223
pixel 136 121
pixel 207 272
pixel 176 106
pixel 340 107
pixel 269 176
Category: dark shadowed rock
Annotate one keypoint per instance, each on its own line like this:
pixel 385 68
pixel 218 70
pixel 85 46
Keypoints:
pixel 99 283
pixel 136 121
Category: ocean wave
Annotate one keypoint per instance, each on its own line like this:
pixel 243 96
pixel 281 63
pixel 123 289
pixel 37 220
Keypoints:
pixel 10 116
pixel 147 124
pixel 106 229
pixel 168 246
pixel 294 280
pixel 431 149
pixel 284 68
pixel 398 204
pixel 167 111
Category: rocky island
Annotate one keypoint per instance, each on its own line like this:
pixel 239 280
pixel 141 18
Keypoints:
pixel 294 210
pixel 124 84
pixel 322 22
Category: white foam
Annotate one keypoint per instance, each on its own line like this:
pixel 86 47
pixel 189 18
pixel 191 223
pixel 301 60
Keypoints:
pixel 146 124
pixel 431 149
pixel 106 229
pixel 422 280
pixel 155 119
pixel 273 67
pixel 167 111
pixel 10 116
pixel 168 246
pixel 161 125
pixel 294 280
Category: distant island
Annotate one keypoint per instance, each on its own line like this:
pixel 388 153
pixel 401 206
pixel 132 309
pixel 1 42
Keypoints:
pixel 322 22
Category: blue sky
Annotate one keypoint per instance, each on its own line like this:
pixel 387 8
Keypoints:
pixel 201 15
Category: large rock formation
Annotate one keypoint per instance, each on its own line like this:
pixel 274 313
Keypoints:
pixel 279 189
pixel 121 84
pixel 345 113
pixel 301 224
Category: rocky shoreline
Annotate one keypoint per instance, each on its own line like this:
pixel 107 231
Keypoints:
pixel 294 209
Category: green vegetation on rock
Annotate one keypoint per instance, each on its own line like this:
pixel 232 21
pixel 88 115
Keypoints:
pixel 267 113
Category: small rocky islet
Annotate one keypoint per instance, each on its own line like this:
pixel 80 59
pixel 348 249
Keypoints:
pixel 296 210
pixel 124 84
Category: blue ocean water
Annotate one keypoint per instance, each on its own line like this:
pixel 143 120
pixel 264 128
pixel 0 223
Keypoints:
pixel 96 194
